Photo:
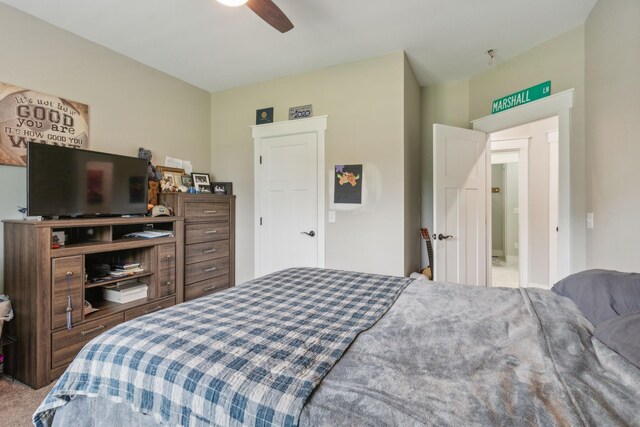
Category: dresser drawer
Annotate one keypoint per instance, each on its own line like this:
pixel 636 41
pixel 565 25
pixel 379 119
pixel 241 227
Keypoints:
pixel 210 210
pixel 149 308
pixel 167 270
pixel 206 287
pixel 206 232
pixel 204 251
pixel 206 269
pixel 66 344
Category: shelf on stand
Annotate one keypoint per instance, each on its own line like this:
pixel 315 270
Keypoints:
pixel 117 279
pixel 105 308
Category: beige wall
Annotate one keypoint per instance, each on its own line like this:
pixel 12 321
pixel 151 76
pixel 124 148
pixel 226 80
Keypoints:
pixel 612 129
pixel 365 104
pixel 560 60
pixel 131 105
pixel 412 152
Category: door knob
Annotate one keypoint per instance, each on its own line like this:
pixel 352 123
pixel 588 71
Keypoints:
pixel 443 237
pixel 310 233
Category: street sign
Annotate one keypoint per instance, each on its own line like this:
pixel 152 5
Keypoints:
pixel 522 97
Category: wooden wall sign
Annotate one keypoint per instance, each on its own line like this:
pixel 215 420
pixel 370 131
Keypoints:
pixel 30 116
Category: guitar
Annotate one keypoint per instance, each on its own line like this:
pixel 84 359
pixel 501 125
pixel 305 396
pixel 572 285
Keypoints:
pixel 427 237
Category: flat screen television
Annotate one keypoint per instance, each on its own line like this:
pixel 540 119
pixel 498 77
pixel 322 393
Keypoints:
pixel 72 182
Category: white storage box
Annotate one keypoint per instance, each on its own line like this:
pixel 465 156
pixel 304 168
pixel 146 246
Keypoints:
pixel 125 292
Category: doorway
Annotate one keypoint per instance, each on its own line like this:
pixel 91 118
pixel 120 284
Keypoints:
pixel 462 204
pixel 524 204
pixel 568 256
pixel 505 227
pixel 510 195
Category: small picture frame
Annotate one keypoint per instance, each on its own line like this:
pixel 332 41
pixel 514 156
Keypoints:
pixel 204 188
pixel 223 188
pixel 172 177
pixel 58 238
pixel 264 115
pixel 187 181
pixel 201 180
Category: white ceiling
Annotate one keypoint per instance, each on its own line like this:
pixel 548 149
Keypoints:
pixel 216 47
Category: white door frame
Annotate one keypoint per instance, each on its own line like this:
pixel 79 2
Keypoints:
pixel 560 105
pixel 521 146
pixel 552 139
pixel 317 125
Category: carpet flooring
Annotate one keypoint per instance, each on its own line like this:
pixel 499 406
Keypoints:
pixel 18 402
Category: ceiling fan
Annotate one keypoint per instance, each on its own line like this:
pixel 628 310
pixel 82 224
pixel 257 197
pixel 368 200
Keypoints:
pixel 265 9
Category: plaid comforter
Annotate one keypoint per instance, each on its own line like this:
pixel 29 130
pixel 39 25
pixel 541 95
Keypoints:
pixel 251 355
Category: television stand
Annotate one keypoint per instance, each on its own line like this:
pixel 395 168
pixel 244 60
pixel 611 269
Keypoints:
pixel 41 273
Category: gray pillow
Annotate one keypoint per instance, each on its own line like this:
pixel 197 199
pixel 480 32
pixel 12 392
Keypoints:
pixel 622 335
pixel 602 294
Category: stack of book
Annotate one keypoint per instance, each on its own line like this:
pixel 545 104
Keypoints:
pixel 127 291
pixel 125 269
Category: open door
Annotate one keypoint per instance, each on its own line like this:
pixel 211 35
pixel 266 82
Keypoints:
pixel 459 205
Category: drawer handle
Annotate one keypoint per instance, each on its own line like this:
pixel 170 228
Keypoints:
pixel 210 231
pixel 153 309
pixel 90 331
pixel 208 251
pixel 169 256
pixel 168 283
pixel 210 212
pixel 208 270
pixel 210 288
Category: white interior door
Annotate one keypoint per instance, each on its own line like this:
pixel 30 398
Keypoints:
pixel 289 195
pixel 459 205
pixel 289 202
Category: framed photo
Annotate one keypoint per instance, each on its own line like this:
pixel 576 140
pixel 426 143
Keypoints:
pixel 204 188
pixel 222 188
pixel 187 181
pixel 348 182
pixel 264 115
pixel 200 180
pixel 172 177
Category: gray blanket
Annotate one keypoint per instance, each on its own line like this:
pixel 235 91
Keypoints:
pixel 458 355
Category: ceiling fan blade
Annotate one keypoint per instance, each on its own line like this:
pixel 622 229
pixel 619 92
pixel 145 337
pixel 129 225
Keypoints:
pixel 271 13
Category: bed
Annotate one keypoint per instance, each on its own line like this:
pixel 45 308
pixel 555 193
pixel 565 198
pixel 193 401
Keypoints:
pixel 315 347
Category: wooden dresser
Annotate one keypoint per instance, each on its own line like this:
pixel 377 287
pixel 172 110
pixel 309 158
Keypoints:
pixel 44 280
pixel 209 243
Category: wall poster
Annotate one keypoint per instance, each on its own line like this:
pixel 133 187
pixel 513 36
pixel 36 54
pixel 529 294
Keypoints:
pixel 30 116
pixel 348 184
